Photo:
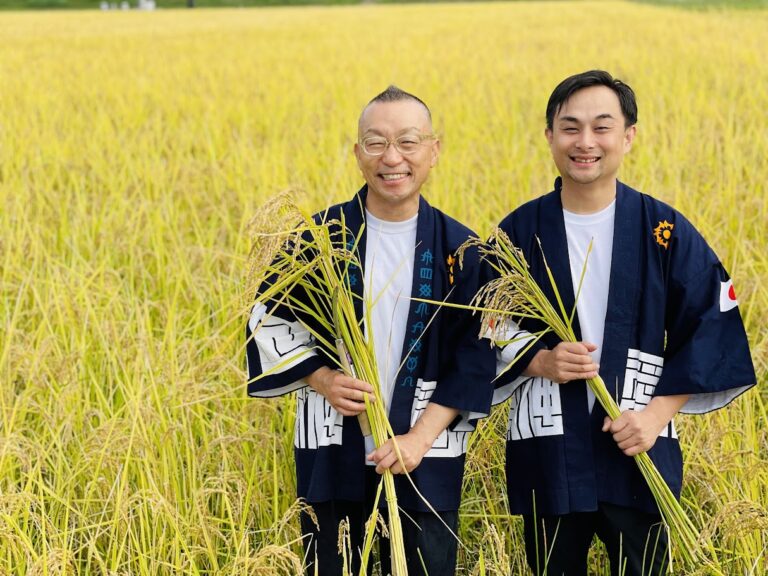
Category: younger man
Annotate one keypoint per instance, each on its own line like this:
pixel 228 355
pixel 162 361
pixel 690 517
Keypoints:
pixel 658 319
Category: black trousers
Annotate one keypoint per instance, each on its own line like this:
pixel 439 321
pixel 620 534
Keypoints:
pixel 428 543
pixel 558 545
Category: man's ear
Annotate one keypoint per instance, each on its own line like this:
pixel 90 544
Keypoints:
pixel 358 152
pixel 435 152
pixel 629 137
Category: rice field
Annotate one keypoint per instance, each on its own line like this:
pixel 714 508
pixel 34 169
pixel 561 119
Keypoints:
pixel 136 148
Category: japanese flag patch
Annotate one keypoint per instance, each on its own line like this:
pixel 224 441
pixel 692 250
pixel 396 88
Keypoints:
pixel 727 296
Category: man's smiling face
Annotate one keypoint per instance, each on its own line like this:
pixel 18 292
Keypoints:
pixel 395 179
pixel 589 137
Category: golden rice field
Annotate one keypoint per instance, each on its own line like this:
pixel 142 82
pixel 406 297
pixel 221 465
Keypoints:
pixel 136 147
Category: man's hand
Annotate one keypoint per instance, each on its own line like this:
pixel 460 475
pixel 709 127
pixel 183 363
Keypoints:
pixel 412 449
pixel 636 431
pixel 344 393
pixel 415 443
pixel 565 362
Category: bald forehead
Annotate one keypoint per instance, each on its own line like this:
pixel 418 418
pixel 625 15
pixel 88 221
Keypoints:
pixel 407 112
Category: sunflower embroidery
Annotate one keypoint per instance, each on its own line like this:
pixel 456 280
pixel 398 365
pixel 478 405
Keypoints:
pixel 663 233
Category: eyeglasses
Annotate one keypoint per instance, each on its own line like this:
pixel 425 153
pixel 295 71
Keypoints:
pixel 405 144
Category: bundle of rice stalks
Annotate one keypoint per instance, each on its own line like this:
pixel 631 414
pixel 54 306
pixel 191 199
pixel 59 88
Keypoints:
pixel 515 294
pixel 309 273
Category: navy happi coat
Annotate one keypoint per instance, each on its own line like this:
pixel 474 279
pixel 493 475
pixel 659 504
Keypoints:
pixel 446 363
pixel 672 327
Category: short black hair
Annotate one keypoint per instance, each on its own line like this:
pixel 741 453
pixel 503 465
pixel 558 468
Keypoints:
pixel 568 87
pixel 395 94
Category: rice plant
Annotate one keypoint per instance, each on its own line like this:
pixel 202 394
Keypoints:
pixel 136 148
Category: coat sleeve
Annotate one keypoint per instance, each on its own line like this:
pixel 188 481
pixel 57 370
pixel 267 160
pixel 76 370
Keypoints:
pixel 516 344
pixel 280 351
pixel 707 353
pixel 515 348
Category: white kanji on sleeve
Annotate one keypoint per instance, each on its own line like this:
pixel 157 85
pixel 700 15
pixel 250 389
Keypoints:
pixel 640 380
pixel 535 410
pixel 449 443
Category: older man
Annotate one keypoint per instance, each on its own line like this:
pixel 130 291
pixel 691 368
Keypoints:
pixel 659 321
pixel 435 374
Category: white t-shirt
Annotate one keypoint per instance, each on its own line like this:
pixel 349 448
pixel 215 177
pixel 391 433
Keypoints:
pixel 592 304
pixel 389 259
